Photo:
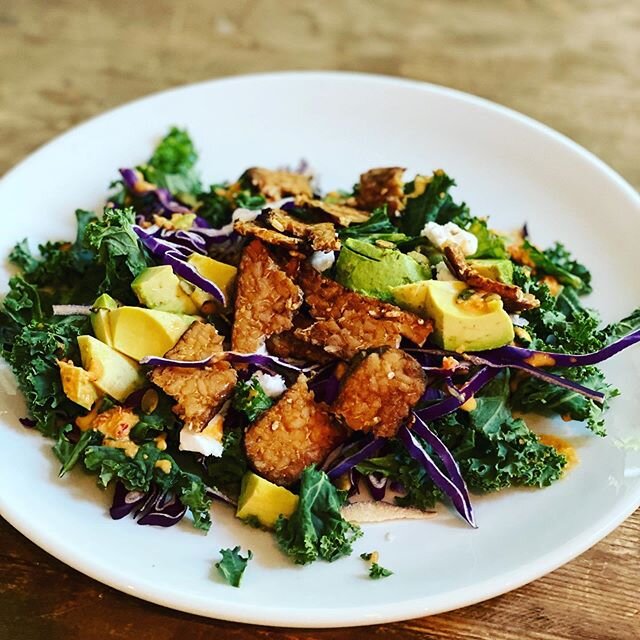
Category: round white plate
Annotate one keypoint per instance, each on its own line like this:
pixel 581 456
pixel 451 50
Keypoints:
pixel 507 166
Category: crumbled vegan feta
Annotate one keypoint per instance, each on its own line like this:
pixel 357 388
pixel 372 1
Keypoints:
pixel 272 385
pixel 322 260
pixel 441 235
pixel 443 274
pixel 208 442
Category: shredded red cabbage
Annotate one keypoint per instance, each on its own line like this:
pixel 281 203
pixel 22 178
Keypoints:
pixel 176 256
pixel 446 457
pixel 516 356
pixel 150 508
pixel 449 405
pixel 459 498
pixel 136 186
pixel 353 455
pixel 264 361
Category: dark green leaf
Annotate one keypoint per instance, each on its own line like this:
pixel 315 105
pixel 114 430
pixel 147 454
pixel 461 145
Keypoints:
pixel 316 529
pixel 250 399
pixel 226 472
pixel 376 572
pixel 232 565
pixel 433 204
pixel 69 452
pixel 557 262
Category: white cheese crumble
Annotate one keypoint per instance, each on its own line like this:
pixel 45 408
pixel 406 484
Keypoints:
pixel 443 274
pixel 441 235
pixel 272 385
pixel 322 260
pixel 208 442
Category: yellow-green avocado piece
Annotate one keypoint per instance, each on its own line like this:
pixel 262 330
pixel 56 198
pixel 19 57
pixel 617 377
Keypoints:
pixel 221 274
pixel 100 318
pixel 461 325
pixel 110 371
pixel 500 270
pixel 77 385
pixel 160 288
pixel 139 332
pixel 264 500
pixel 375 271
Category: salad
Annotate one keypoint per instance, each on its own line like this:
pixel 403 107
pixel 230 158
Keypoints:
pixel 314 361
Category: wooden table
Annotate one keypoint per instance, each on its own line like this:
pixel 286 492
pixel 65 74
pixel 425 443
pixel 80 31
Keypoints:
pixel 573 65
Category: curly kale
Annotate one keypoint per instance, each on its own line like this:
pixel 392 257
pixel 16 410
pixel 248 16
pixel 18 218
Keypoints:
pixel 316 529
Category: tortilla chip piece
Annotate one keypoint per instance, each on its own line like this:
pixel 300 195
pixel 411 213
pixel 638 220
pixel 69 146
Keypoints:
pixel 199 392
pixel 275 185
pixel 381 186
pixel 348 322
pixel 295 432
pixel 379 392
pixel 266 299
pixel 320 236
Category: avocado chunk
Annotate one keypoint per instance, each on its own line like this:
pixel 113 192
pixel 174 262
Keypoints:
pixel 464 321
pixel 160 288
pixel 139 332
pixel 221 274
pixel 100 318
pixel 111 372
pixel 264 500
pixel 77 385
pixel 374 270
pixel 500 270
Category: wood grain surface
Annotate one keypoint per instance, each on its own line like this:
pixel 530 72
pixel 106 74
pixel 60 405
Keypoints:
pixel 571 64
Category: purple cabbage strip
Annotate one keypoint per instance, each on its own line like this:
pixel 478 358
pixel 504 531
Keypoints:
pixel 377 486
pixel 446 457
pixel 515 356
pixel 449 405
pixel 444 483
pixel 132 180
pixel 263 360
pixel 370 447
pixel 212 492
pixel 27 422
pixel 124 502
pixel 164 511
pixel 176 256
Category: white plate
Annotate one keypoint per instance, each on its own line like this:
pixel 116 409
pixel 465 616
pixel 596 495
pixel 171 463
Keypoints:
pixel 507 166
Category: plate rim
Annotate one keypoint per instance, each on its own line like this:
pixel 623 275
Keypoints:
pixel 352 616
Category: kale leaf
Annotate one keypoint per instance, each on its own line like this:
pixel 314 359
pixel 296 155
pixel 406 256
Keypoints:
pixel 141 471
pixel 490 244
pixel 428 200
pixel 217 205
pixel 118 251
pixel 494 449
pixel 533 394
pixel 226 472
pixel 69 452
pixel 376 571
pixel 400 467
pixel 378 226
pixel 65 272
pixel 232 565
pixel 172 165
pixel 250 399
pixel 557 261
pixel 316 529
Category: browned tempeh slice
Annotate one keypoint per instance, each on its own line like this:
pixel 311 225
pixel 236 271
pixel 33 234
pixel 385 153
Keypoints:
pixel 348 322
pixel 274 185
pixel 295 432
pixel 199 392
pixel 380 391
pixel 513 297
pixel 381 186
pixel 320 236
pixel 266 299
